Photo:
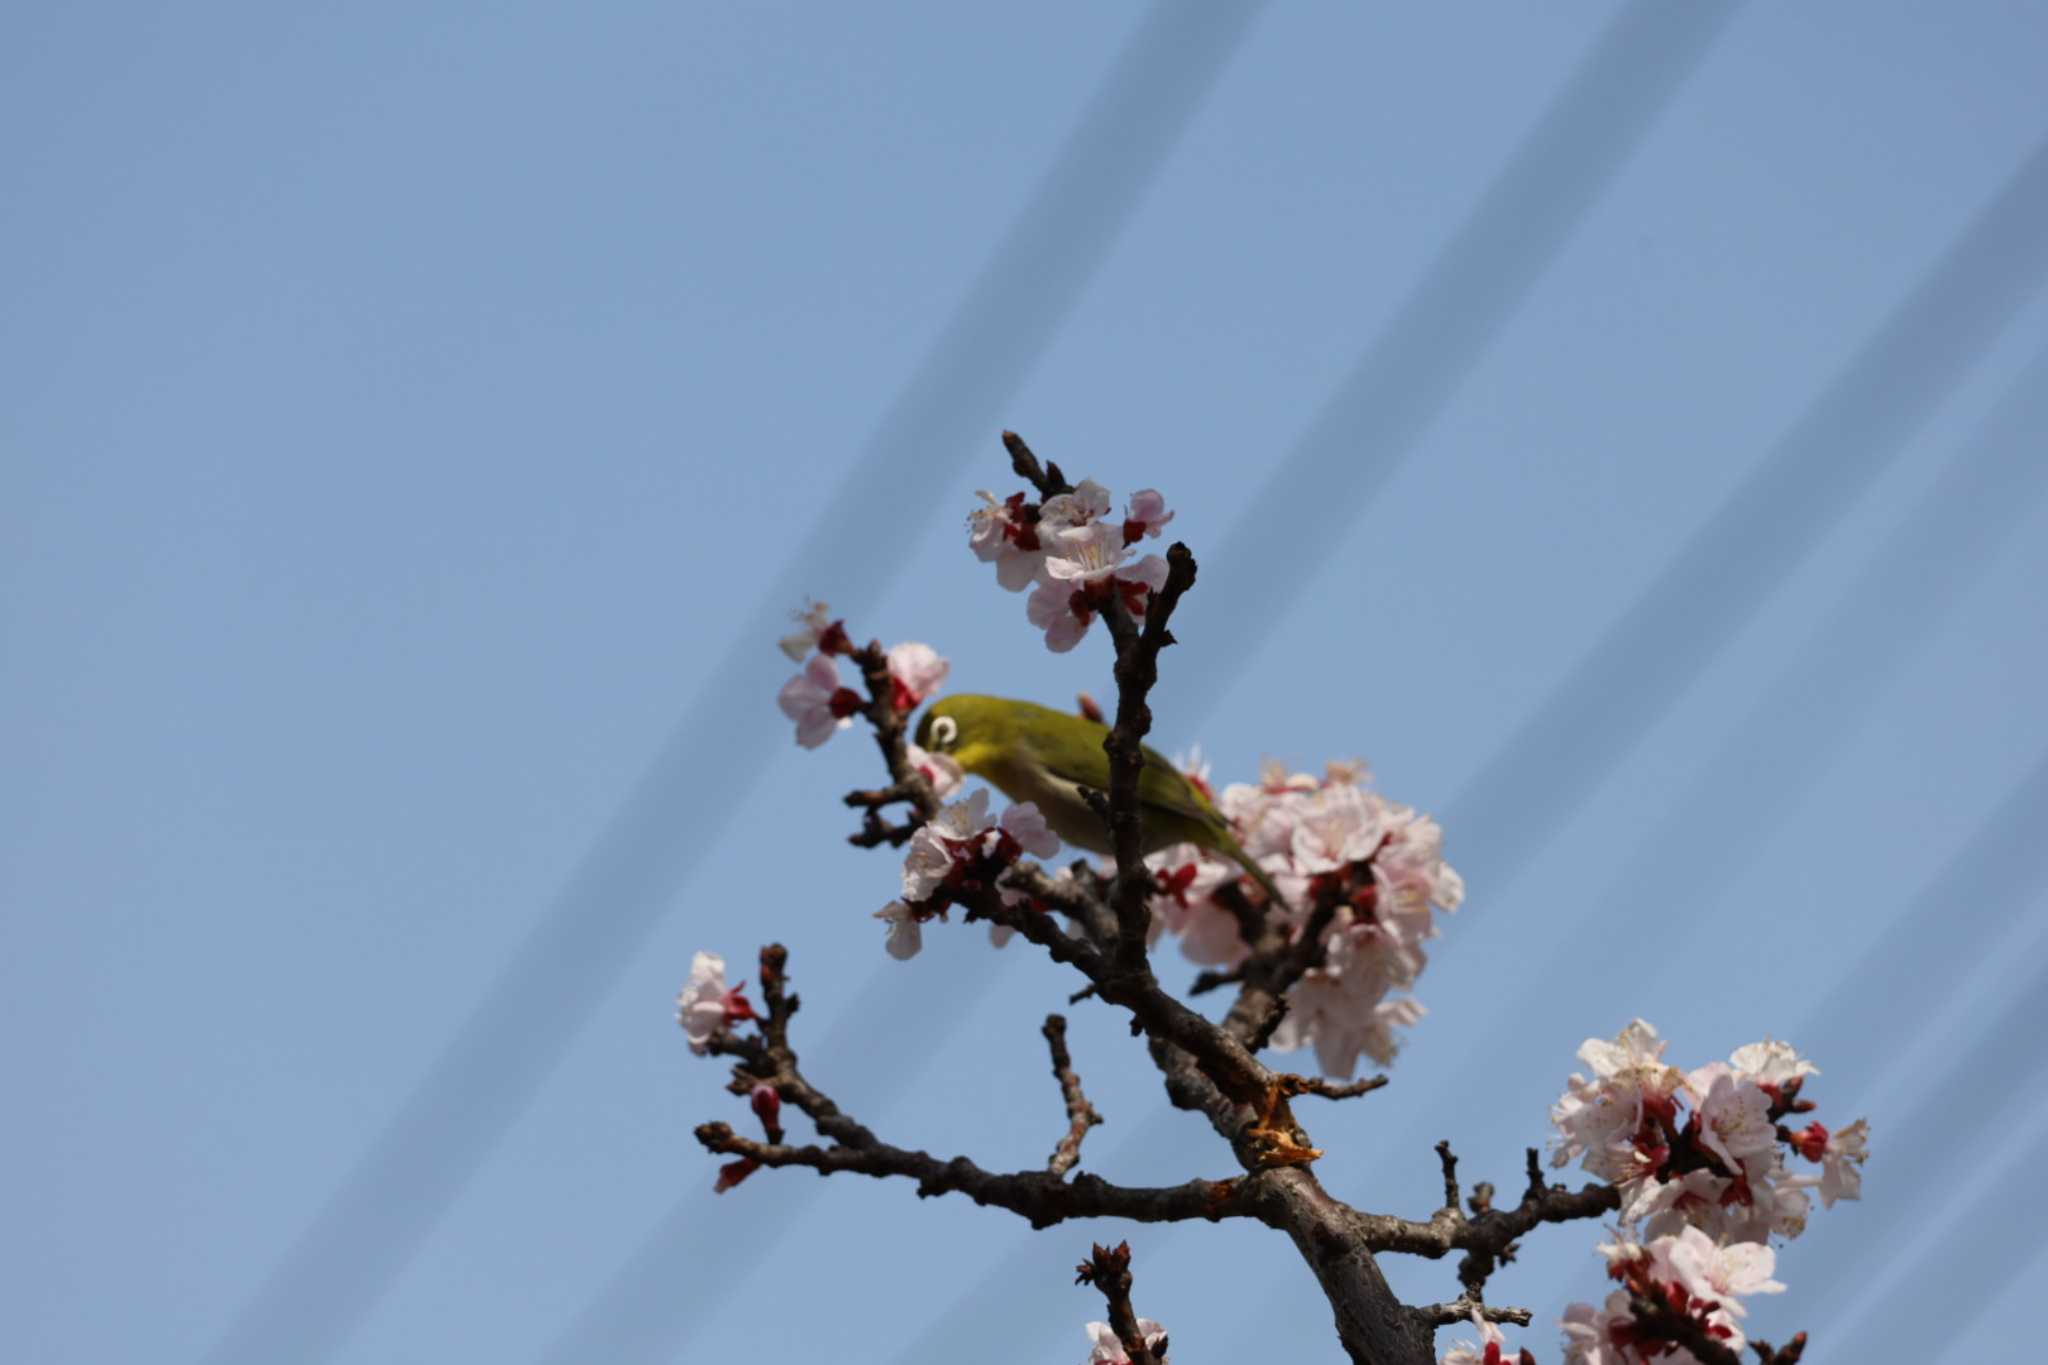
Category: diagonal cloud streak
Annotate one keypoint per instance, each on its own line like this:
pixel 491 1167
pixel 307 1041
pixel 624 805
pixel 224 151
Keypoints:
pixel 373 1223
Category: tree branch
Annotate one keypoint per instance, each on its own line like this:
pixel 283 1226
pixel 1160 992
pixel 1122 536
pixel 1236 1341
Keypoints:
pixel 1460 1311
pixel 1493 1232
pixel 1043 1197
pixel 1137 669
pixel 1332 1090
pixel 1081 1115
pixel 1040 1197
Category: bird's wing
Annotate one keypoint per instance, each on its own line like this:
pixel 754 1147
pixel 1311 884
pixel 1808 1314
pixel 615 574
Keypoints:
pixel 1160 785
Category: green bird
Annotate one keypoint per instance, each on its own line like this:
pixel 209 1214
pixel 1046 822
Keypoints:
pixel 1034 753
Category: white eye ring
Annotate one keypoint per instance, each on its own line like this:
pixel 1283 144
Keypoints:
pixel 944 731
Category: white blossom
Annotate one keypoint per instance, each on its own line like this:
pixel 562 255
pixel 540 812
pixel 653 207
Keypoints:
pixel 700 1005
pixel 812 622
pixel 1771 1063
pixel 905 935
pixel 1106 1349
pixel 1061 613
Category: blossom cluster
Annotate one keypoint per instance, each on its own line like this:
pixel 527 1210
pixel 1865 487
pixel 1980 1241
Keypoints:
pixel 822 705
pixel 1106 1348
pixel 1711 1164
pixel 1712 1148
pixel 1071 554
pixel 1681 1282
pixel 958 848
pixel 1322 840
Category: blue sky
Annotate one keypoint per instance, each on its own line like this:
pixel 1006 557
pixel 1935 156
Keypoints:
pixel 419 419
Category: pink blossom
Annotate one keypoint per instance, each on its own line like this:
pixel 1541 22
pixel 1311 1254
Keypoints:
pixel 1023 823
pixel 1343 1015
pixel 1334 828
pixel 1323 836
pixel 817 703
pixel 915 673
pixel 1061 613
pixel 1410 867
pixel 1186 879
pixel 1144 515
pixel 1735 1115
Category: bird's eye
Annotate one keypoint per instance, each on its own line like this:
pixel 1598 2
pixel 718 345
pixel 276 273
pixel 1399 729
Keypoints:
pixel 944 731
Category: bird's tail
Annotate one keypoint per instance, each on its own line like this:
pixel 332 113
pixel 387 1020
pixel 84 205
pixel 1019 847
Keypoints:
pixel 1259 875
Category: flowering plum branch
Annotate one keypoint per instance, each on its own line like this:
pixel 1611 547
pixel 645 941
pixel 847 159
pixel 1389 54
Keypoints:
pixel 1314 897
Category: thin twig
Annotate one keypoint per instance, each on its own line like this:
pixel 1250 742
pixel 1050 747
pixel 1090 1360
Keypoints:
pixel 1081 1115
pixel 1047 479
pixel 1491 1232
pixel 1042 1197
pixel 1331 1090
pixel 1452 1199
pixel 1460 1311
pixel 1207 981
pixel 1109 1270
